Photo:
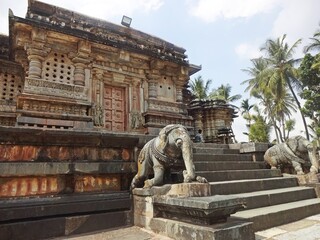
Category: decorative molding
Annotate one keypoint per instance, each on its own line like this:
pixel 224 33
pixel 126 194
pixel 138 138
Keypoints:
pixel 43 87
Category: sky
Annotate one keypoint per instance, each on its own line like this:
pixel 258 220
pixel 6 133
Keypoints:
pixel 220 35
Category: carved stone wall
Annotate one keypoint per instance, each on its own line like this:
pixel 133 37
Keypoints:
pixel 71 68
pixel 63 72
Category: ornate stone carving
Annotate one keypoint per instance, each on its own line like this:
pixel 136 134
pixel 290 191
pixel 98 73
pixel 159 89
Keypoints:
pixel 54 107
pixel 45 87
pixel 296 151
pixel 98 115
pixel 136 120
pixel 212 116
pixel 171 147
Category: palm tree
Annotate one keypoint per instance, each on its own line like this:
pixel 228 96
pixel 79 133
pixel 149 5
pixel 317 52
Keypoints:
pixel 281 110
pixel 282 72
pixel 257 85
pixel 223 93
pixel 259 73
pixel 315 44
pixel 199 88
pixel 246 107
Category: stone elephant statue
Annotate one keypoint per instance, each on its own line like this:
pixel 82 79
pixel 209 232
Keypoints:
pixel 173 145
pixel 295 151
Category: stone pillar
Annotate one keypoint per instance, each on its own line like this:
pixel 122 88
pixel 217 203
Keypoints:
pixel 179 87
pixel 198 121
pixel 80 61
pixel 212 128
pixel 36 52
pixel 79 75
pixel 152 87
pixel 35 63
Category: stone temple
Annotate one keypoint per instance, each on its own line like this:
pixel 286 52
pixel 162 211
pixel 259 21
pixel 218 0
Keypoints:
pixel 79 98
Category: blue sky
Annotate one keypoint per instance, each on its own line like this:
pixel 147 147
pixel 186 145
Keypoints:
pixel 220 35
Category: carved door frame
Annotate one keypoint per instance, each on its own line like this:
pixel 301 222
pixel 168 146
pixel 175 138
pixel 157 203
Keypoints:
pixel 118 114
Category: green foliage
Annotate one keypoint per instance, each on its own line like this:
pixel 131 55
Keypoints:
pixel 310 78
pixel 199 88
pixel 223 93
pixel 259 131
pixel 274 82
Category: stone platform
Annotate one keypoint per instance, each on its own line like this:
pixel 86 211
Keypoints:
pixel 181 211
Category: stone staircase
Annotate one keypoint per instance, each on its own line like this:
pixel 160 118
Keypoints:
pixel 271 199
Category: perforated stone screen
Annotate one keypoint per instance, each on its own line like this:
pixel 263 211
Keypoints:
pixel 58 68
pixel 10 85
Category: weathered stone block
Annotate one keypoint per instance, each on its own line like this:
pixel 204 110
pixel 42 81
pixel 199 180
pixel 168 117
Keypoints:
pixel 199 210
pixel 28 186
pixel 253 147
pixel 90 183
pixel 183 189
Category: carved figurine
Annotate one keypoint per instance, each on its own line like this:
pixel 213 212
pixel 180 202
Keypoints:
pixel 173 145
pixel 295 151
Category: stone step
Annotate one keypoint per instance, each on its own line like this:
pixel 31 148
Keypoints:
pixel 251 185
pixel 210 145
pixel 221 157
pixel 227 175
pixel 271 216
pixel 215 150
pixel 233 229
pixel 276 196
pixel 227 165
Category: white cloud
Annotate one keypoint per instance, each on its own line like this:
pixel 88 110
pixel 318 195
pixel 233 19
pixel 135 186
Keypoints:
pixel 211 10
pixel 248 51
pixel 297 19
pixel 110 10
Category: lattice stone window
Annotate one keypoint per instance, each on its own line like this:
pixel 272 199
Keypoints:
pixel 58 68
pixel 10 85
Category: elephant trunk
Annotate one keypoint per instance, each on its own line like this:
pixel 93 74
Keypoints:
pixel 186 149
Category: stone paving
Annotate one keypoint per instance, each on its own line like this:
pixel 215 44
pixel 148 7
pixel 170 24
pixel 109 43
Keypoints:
pixel 305 229
pixel 127 233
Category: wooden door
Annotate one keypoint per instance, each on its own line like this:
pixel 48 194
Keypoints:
pixel 114 104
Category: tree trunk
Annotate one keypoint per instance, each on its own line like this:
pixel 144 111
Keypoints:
pixel 299 107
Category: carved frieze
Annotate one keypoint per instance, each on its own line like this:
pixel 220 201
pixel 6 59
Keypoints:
pixel 166 107
pixel 54 107
pixel 43 87
pixel 161 121
pixel 7 121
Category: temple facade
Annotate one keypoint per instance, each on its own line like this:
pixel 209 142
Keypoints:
pixel 63 70
pixel 79 98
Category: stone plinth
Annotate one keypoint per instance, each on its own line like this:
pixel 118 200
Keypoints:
pixel 197 210
pixel 143 199
pixel 257 150
pixel 187 210
pixel 183 202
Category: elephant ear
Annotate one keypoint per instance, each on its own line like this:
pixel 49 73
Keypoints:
pixel 163 135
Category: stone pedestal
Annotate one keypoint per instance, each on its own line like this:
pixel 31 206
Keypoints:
pixel 143 199
pixel 187 210
pixel 257 150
